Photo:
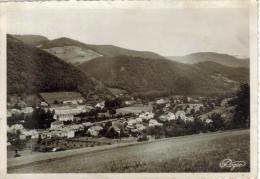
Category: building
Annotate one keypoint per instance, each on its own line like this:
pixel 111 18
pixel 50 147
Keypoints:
pixel 140 127
pixel 56 125
pixel 27 110
pixel 154 122
pixel 66 113
pixel 189 119
pixel 146 116
pixel 168 117
pixel 181 115
pixel 54 98
pixel 100 105
pixel 59 130
pixel 195 107
pixel 208 121
pixel 161 101
pixel 87 124
pixel 94 130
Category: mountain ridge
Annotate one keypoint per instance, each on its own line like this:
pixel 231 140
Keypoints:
pixel 31 39
pixel 224 59
pixel 56 47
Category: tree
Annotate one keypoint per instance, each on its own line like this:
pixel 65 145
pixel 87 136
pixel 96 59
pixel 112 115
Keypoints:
pixel 39 119
pixel 192 111
pixel 198 125
pixel 15 119
pixel 217 121
pixel 114 103
pixel 16 142
pixel 241 102
pixel 112 112
pixel 156 131
pixel 178 121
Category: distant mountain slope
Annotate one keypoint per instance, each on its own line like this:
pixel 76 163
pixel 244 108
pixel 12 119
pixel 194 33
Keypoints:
pixel 73 54
pixel 33 40
pixel 105 50
pixel 223 59
pixel 144 76
pixel 32 70
pixel 76 52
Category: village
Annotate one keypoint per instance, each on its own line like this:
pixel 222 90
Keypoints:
pixel 65 120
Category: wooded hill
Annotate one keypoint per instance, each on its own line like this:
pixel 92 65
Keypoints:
pixel 144 76
pixel 32 70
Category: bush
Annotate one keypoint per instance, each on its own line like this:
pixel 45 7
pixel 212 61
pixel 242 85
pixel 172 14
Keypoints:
pixel 143 138
pixel 156 131
pixel 218 122
pixel 15 140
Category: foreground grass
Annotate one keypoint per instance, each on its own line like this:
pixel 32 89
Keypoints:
pixel 200 160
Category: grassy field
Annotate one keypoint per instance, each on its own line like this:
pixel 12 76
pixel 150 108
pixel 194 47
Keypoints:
pixel 134 109
pixel 235 148
pixel 194 153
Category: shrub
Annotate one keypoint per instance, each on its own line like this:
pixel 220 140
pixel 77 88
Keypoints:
pixel 143 138
pixel 218 122
pixel 156 131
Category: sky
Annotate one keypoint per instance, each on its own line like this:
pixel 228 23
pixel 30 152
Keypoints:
pixel 169 32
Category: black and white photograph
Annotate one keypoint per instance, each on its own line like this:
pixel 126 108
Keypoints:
pixel 129 90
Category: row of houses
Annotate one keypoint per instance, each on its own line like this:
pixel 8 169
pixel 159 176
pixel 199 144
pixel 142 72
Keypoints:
pixel 14 111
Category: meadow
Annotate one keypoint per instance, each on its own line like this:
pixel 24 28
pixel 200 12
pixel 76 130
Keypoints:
pixel 233 147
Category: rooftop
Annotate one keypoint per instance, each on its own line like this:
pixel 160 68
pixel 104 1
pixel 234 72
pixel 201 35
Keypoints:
pixel 51 97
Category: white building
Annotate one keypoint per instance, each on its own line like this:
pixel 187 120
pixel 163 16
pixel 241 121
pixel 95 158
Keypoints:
pixel 27 110
pixel 70 134
pixel 94 130
pixel 57 125
pixel 180 114
pixel 168 117
pixel 189 119
pixel 139 120
pixel 87 124
pixel 168 105
pixel 153 123
pixel 131 122
pixel 14 128
pixel 195 107
pixel 161 101
pixel 100 105
pixel 146 116
pixel 140 127
pixel 208 121
pixel 66 113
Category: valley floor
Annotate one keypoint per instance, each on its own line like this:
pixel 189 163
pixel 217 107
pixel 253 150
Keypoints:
pixel 194 153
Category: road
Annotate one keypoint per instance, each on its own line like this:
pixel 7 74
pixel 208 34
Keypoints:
pixel 98 161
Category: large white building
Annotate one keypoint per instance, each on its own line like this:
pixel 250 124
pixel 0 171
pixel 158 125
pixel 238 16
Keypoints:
pixel 64 104
pixel 66 113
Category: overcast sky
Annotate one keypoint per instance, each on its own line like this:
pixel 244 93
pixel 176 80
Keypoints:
pixel 169 32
